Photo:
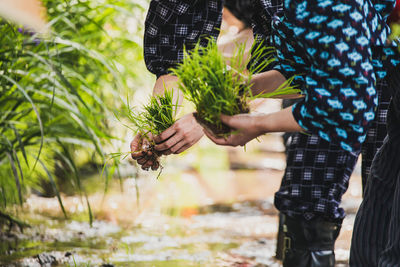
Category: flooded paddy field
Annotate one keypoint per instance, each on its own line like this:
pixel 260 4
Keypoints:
pixel 211 207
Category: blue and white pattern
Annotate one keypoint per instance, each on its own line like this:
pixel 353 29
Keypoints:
pixel 339 42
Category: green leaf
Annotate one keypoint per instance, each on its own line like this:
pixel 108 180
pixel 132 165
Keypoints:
pixel 53 184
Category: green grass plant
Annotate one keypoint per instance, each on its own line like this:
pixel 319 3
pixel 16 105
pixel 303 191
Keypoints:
pixel 58 91
pixel 215 88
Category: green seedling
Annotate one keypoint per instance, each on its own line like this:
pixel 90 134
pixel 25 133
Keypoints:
pixel 155 117
pixel 158 115
pixel 216 88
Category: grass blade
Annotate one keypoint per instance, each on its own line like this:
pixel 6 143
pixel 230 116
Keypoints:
pixel 53 184
pixel 16 177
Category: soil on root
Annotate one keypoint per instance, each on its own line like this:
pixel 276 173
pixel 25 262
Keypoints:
pixel 214 129
pixel 152 154
pixel 224 129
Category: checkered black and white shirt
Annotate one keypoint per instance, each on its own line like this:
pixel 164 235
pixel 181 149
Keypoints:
pixel 172 25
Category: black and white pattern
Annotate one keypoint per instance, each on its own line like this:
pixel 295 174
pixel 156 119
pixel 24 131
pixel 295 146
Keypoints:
pixel 172 25
pixel 264 11
pixel 376 134
pixel 316 177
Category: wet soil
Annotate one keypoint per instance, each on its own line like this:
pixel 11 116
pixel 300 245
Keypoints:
pixel 217 131
pixel 222 129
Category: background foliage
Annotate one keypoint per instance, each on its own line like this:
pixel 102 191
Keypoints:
pixel 57 93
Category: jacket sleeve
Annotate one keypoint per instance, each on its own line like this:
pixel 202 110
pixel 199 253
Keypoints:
pixel 172 25
pixel 339 81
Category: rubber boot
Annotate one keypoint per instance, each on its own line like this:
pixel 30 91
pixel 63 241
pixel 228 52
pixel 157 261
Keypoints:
pixel 280 238
pixel 309 243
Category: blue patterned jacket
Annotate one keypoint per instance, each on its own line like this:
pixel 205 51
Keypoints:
pixel 338 49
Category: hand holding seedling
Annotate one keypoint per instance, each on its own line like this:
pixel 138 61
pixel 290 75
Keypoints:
pixel 157 116
pixel 143 154
pixel 183 134
pixel 215 88
pixel 246 127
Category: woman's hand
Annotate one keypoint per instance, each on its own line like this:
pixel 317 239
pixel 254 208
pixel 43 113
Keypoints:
pixel 250 126
pixel 141 152
pixel 179 137
pixel 246 125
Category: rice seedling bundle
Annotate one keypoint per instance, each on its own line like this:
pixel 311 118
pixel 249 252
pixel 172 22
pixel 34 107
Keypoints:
pixel 216 88
pixel 157 116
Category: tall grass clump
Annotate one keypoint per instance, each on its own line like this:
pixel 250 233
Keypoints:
pixel 57 92
pixel 214 87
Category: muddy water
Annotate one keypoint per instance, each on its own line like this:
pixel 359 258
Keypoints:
pixel 209 208
pixel 216 236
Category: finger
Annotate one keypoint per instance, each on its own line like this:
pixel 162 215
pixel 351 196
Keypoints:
pixel 149 136
pixel 217 140
pixel 144 154
pixel 138 155
pixel 135 147
pixel 143 160
pixel 228 120
pixel 183 148
pixel 145 168
pixel 175 148
pixel 148 164
pixel 155 165
pixel 136 142
pixel 237 122
pixel 172 141
pixel 165 135
pixel 147 154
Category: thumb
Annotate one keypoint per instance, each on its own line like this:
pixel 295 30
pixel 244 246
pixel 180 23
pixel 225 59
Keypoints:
pixel 232 121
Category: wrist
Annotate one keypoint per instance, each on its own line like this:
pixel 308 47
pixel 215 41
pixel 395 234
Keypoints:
pixel 262 124
pixel 255 84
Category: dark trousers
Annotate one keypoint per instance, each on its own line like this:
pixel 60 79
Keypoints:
pixel 376 235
